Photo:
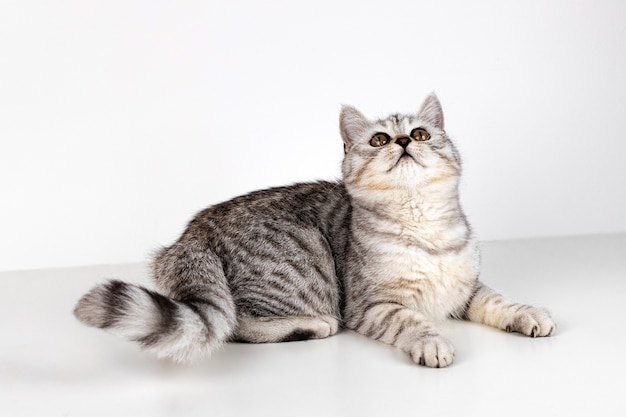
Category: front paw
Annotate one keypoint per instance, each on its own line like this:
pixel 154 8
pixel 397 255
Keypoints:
pixel 531 321
pixel 433 351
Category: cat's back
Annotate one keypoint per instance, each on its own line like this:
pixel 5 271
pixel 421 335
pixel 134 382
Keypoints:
pixel 322 205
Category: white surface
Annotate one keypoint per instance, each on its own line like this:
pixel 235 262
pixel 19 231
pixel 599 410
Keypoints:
pixel 120 119
pixel 50 365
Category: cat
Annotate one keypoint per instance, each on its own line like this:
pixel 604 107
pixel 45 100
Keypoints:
pixel 387 252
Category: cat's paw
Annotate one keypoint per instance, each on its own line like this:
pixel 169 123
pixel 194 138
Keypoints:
pixel 433 351
pixel 531 321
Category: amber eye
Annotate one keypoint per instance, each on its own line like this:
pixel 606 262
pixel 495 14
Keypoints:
pixel 420 134
pixel 380 139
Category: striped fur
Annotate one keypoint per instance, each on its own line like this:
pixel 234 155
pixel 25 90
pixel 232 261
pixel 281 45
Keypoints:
pixel 490 308
pixel 387 252
pixel 182 330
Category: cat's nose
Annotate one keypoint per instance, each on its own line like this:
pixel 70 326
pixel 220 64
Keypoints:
pixel 403 141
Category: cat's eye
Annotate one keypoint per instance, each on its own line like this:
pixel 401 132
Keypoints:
pixel 420 134
pixel 380 139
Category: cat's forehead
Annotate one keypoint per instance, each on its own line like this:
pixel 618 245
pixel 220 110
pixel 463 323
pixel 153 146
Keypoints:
pixel 397 123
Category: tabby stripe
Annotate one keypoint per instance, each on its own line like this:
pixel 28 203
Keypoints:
pixel 403 284
pixel 333 213
pixel 263 310
pixel 279 278
pixel 189 301
pixel 167 320
pixel 305 297
pixel 201 314
pixel 413 324
pixel 276 288
pixel 358 246
pixel 517 307
pixel 302 272
pixel 360 170
pixel 302 245
pixel 294 284
pixel 258 303
pixel 199 292
pixel 398 332
pixel 242 254
pixel 322 294
pixel 363 316
pixel 116 298
pixel 324 276
pixel 261 295
pixel 283 291
pixel 381 215
pixel 384 324
pixel 490 298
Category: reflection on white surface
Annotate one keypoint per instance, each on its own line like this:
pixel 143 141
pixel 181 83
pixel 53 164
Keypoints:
pixel 50 365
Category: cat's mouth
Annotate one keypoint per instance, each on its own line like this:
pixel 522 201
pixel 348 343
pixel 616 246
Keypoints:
pixel 406 157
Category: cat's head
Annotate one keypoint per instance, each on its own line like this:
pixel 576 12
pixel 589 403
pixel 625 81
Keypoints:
pixel 401 153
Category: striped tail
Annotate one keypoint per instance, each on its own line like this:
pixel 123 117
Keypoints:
pixel 183 330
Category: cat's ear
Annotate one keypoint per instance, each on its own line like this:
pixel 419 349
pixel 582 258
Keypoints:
pixel 351 124
pixel 431 111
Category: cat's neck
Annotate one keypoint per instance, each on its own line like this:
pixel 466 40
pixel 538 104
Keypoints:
pixel 429 216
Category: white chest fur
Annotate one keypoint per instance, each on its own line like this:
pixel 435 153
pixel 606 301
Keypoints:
pixel 436 284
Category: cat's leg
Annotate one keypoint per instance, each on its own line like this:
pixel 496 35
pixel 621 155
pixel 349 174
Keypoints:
pixel 488 307
pixel 407 329
pixel 284 329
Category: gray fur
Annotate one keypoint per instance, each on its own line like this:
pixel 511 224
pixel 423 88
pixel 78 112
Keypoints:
pixel 387 252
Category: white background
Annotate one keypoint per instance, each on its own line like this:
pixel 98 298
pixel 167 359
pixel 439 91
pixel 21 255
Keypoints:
pixel 120 119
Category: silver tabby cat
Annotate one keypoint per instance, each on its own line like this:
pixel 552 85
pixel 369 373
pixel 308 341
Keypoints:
pixel 387 253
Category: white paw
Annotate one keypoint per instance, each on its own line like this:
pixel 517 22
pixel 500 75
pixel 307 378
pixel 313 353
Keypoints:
pixel 531 321
pixel 433 351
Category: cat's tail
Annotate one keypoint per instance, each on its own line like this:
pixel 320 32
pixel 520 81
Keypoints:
pixel 190 323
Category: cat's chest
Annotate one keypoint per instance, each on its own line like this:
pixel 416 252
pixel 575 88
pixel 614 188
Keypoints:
pixel 438 284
